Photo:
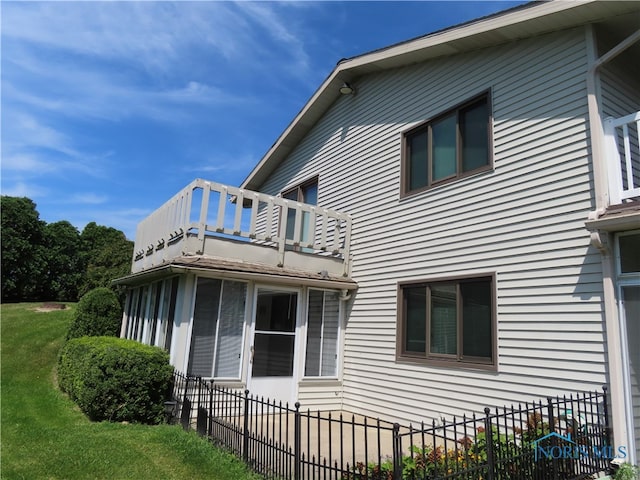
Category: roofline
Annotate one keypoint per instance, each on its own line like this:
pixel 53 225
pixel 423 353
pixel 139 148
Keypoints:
pixel 169 269
pixel 501 27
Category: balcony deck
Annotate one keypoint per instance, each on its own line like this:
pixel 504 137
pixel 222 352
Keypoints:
pixel 212 220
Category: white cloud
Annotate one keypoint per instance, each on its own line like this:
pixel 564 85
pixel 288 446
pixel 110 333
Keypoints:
pixel 25 163
pixel 30 147
pixel 87 199
pixel 22 189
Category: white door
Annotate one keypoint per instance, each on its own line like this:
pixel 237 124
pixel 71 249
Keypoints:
pixel 272 369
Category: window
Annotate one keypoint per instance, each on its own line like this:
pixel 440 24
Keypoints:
pixel 322 334
pixel 218 326
pixel 151 322
pixel 448 322
pixel 304 193
pixel 170 296
pixel 450 146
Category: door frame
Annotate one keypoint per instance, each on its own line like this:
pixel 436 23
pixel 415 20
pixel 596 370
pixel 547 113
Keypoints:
pixel 625 280
pixel 297 342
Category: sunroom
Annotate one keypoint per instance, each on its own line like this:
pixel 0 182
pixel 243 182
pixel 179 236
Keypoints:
pixel 245 289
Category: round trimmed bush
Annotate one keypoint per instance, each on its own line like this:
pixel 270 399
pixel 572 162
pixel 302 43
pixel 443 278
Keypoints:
pixel 98 314
pixel 115 379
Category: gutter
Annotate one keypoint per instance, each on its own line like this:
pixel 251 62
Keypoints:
pixel 172 270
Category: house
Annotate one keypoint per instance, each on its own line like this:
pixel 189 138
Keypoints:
pixel 449 223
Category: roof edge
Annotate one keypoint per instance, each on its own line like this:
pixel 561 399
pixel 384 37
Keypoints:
pixel 391 57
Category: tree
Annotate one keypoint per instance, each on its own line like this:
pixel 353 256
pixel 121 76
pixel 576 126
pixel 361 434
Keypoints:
pixel 64 261
pixel 108 256
pixel 23 260
pixel 43 261
pixel 98 314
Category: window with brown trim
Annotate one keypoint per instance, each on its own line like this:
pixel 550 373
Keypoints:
pixel 448 321
pixel 306 192
pixel 452 145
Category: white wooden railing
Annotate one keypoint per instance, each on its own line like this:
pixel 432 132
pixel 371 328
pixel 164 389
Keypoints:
pixel 623 157
pixel 208 209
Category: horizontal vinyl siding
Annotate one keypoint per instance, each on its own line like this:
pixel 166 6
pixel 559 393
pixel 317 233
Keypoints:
pixel 620 93
pixel 524 220
pixel 320 396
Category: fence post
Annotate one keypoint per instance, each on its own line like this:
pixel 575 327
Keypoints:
pixel 185 412
pixel 554 439
pixel 607 426
pixel 397 452
pixel 488 436
pixel 297 439
pixel 245 429
pixel 605 412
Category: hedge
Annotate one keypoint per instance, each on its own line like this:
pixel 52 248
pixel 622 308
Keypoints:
pixel 98 314
pixel 115 379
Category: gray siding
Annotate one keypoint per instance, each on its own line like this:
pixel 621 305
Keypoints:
pixel 524 221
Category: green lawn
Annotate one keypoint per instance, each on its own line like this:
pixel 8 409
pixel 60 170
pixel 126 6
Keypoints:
pixel 45 436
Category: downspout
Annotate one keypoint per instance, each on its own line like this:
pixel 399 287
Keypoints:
pixel 601 240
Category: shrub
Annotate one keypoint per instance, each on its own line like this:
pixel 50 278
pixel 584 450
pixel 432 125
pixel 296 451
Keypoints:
pixel 98 314
pixel 115 379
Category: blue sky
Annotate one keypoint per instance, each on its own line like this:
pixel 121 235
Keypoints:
pixel 110 108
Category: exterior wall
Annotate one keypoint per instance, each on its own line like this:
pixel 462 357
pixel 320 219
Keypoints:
pixel 524 221
pixel 620 93
pixel 317 393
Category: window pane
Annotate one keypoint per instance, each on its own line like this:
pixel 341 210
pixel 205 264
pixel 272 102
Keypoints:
pixel 153 330
pixel 330 334
pixel 175 282
pixel 276 311
pixel 474 124
pixel 310 193
pixel 273 355
pixel 476 319
pixel 417 153
pixel 416 319
pixel 443 153
pixel 314 333
pixel 629 253
pixel 142 313
pixel 203 334
pixel 231 322
pixel 443 320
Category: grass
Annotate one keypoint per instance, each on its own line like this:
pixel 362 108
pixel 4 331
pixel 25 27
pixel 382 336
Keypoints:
pixel 45 436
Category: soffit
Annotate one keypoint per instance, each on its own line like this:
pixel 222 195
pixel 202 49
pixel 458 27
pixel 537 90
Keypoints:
pixel 522 22
pixel 224 267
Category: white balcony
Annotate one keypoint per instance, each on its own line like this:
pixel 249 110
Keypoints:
pixel 213 220
pixel 623 158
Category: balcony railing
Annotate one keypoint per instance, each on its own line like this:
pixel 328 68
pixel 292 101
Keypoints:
pixel 623 157
pixel 205 209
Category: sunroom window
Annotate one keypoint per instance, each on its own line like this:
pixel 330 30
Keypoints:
pixel 322 334
pixel 218 326
pixel 449 146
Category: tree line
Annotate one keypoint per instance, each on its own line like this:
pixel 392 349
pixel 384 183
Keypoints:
pixel 54 261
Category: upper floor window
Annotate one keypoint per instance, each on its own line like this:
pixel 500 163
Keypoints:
pixel 448 322
pixel 306 192
pixel 447 147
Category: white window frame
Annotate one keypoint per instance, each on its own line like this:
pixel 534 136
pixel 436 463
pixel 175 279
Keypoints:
pixel 625 280
pixel 338 337
pixel 238 377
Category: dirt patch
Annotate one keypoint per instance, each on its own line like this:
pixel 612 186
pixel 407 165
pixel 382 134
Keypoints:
pixel 51 306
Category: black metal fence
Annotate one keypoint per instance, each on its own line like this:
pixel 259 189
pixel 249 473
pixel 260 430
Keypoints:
pixel 562 438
